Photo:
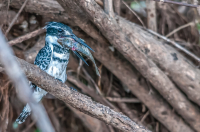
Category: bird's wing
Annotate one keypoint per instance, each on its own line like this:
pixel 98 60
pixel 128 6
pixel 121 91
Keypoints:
pixel 43 58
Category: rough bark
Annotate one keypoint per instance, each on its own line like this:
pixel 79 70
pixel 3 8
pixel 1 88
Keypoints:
pixel 93 124
pixel 48 8
pixel 175 65
pixel 186 76
pixel 151 15
pixel 148 100
pixel 77 100
pixel 124 71
pixel 142 63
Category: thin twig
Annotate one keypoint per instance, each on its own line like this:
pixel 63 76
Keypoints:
pixel 79 67
pixel 179 28
pixel 157 126
pixel 176 45
pixel 95 85
pixel 151 15
pixel 145 116
pixel 117 6
pixel 108 7
pixel 177 3
pixel 16 75
pixel 15 18
pixel 29 126
pixel 125 100
pixel 134 13
pixel 110 86
pixel 27 36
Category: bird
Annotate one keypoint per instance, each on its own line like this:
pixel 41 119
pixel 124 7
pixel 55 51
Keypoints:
pixel 53 58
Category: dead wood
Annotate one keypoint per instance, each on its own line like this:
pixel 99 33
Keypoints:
pixel 77 100
pixel 93 124
pixel 177 67
pixel 144 65
pixel 124 71
pixel 27 36
pixel 107 66
pixel 117 6
pixel 151 15
pixel 185 75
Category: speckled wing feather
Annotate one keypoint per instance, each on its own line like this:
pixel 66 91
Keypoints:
pixel 43 58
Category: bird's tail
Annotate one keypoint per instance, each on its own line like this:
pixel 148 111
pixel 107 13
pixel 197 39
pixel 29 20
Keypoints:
pixel 25 113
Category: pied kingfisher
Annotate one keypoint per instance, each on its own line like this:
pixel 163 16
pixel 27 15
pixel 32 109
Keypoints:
pixel 53 59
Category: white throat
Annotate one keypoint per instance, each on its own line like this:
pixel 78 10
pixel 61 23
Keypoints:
pixel 51 39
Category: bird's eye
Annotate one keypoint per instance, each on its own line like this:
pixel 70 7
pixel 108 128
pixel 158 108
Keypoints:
pixel 60 30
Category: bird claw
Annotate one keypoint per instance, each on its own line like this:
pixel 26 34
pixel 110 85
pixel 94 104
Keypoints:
pixel 72 88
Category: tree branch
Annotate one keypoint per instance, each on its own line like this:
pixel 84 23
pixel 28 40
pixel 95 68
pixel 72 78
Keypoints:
pixel 26 37
pixel 117 6
pixel 162 54
pixel 144 65
pixel 127 75
pixel 77 100
pixel 124 71
pixel 108 7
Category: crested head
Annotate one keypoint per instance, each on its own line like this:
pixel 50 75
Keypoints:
pixel 56 30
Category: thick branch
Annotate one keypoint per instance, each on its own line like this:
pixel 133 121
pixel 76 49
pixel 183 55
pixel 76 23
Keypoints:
pixel 77 100
pixel 123 70
pixel 125 73
pixel 178 68
pixel 185 75
pixel 144 65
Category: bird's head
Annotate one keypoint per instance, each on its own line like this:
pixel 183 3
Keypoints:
pixel 56 30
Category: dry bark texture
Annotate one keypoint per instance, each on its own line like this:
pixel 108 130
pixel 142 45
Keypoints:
pixel 124 71
pixel 173 63
pixel 120 71
pixel 177 68
pixel 146 67
pixel 77 100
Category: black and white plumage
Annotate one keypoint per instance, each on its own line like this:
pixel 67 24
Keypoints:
pixel 52 58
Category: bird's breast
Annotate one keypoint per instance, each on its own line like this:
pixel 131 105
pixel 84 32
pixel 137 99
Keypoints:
pixel 58 64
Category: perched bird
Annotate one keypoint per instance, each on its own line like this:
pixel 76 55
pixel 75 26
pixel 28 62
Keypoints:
pixel 53 59
pixel 75 46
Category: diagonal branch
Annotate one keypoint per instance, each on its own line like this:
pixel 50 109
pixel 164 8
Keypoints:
pixel 124 71
pixel 77 100
pixel 15 18
pixel 183 74
pixel 141 62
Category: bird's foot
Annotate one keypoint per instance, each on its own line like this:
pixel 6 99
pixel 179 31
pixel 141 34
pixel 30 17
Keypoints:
pixel 72 88
pixel 58 79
